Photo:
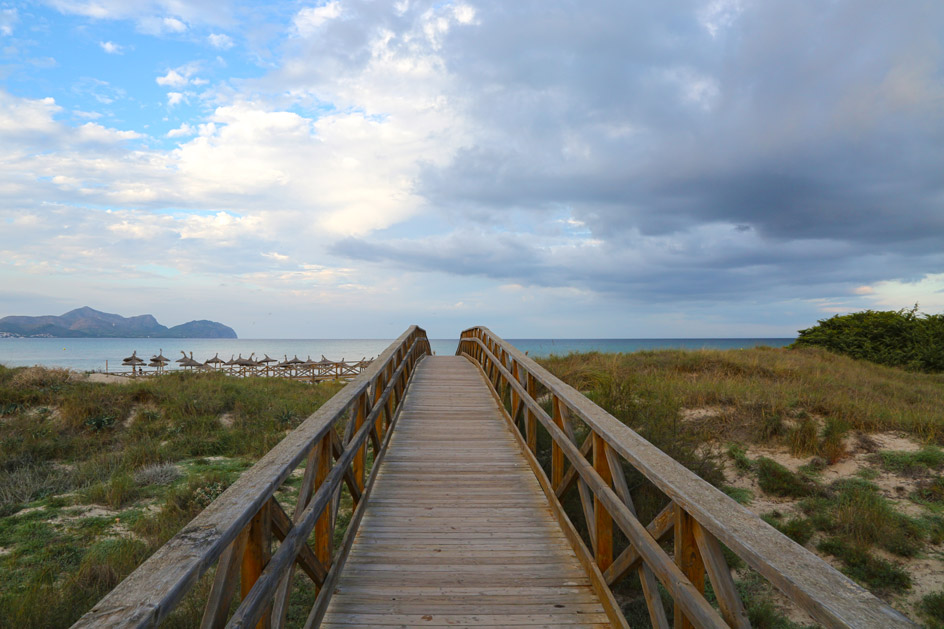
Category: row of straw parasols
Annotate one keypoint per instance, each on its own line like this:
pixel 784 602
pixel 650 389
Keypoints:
pixel 294 367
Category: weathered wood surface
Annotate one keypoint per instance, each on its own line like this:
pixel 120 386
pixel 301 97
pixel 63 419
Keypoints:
pixel 831 598
pixel 457 531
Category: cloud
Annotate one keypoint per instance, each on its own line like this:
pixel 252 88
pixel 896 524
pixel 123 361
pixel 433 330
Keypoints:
pixel 111 47
pixel 220 41
pixel 153 16
pixel 172 79
pixel 309 19
pixel 687 156
pixel 184 130
pixel 161 25
pixel 8 19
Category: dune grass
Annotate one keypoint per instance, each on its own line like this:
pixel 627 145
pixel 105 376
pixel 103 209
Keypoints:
pixel 760 393
pixel 701 405
pixel 94 477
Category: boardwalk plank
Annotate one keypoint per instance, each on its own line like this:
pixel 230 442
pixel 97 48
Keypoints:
pixel 457 531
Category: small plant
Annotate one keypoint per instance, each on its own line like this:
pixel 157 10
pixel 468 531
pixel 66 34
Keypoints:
pixel 803 437
pixel 739 455
pixel 876 573
pixel 799 530
pixel 930 490
pixel 116 493
pixel 915 463
pixel 741 495
pixel 100 422
pixel 9 408
pixel 157 474
pixel 206 494
pixel 775 479
pixel 932 606
pixel 862 515
pixel 831 445
pixel 284 416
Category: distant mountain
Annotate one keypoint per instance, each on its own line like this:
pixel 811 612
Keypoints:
pixel 86 322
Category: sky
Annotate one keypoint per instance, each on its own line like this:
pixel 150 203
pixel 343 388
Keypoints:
pixel 550 169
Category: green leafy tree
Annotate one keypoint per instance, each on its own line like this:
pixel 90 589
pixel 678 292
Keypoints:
pixel 902 338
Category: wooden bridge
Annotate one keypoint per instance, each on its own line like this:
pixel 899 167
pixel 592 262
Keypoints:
pixel 455 469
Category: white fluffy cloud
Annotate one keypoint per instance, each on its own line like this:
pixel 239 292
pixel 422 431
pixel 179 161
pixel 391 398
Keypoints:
pixel 309 19
pixel 111 47
pixel 220 41
pixel 8 18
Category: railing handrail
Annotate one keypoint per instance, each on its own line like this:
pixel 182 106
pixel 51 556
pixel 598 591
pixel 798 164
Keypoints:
pixel 829 596
pixel 150 592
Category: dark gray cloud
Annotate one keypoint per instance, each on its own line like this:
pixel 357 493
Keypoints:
pixel 815 132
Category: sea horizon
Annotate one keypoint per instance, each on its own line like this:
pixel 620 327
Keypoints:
pixel 106 354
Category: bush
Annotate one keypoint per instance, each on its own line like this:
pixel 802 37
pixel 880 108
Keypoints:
pixel 158 474
pixel 932 606
pixel 897 339
pixel 775 479
pixel 876 573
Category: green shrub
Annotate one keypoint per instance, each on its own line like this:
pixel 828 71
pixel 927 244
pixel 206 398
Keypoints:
pixel 927 458
pixel 861 514
pixel 876 573
pixel 775 479
pixel 932 606
pixel 799 530
pixel 897 339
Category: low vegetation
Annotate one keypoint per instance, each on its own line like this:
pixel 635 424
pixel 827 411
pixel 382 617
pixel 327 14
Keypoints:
pixel 795 435
pixel 95 477
pixel 902 338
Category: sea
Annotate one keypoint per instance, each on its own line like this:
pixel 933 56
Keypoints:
pixel 106 354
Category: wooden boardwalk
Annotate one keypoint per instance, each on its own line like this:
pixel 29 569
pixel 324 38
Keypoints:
pixel 457 531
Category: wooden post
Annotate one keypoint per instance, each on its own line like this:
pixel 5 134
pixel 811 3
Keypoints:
pixel 323 526
pixel 357 465
pixel 514 394
pixel 602 520
pixel 557 455
pixel 531 426
pixel 688 559
pixel 256 555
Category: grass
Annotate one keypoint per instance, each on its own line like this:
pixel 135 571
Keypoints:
pixel 759 392
pixel 932 606
pixel 805 401
pixel 775 479
pixel 878 574
pixel 68 445
pixel 924 460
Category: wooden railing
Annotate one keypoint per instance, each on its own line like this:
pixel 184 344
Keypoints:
pixel 698 517
pixel 239 530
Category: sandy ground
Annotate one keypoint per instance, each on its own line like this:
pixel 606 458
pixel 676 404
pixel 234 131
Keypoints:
pixel 107 378
pixel 927 571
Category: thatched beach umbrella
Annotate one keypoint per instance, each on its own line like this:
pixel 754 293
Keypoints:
pixel 188 361
pixel 132 361
pixel 214 362
pixel 160 361
pixel 324 366
pixel 265 363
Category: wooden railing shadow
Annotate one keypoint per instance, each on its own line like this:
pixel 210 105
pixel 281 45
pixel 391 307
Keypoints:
pixel 256 543
pixel 590 450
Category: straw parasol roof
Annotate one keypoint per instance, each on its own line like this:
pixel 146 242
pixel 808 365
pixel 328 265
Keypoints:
pixel 160 358
pixel 266 360
pixel 230 362
pixel 188 361
pixel 133 359
pixel 245 362
pixel 215 360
